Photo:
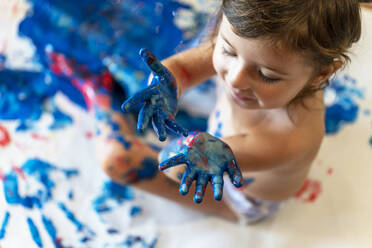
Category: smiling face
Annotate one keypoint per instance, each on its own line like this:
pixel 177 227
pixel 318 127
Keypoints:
pixel 256 73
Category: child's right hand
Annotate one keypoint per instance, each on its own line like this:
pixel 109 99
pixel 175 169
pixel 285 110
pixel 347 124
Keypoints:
pixel 158 102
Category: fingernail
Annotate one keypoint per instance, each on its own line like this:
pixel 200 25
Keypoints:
pixel 183 189
pixel 197 199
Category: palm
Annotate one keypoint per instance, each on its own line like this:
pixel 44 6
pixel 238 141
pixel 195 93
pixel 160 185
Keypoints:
pixel 207 158
pixel 158 102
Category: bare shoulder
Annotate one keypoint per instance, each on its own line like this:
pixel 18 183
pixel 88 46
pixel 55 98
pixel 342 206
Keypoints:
pixel 308 125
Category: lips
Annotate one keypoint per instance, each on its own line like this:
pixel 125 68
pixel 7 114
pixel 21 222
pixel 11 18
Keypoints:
pixel 242 97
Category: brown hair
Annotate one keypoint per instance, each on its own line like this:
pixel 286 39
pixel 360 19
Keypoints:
pixel 323 30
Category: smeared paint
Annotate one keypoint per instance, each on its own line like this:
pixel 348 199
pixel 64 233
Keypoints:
pixel 146 170
pixel 88 38
pixel 4 225
pixel 370 141
pixel 132 241
pixel 34 232
pixel 80 227
pixel 207 158
pixel 112 195
pixel 341 103
pixel 135 211
pixel 41 172
pixel 49 226
pixel 158 102
pixel 4 136
pixel 310 191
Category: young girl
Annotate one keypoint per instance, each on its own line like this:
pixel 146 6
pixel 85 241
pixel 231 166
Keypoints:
pixel 272 59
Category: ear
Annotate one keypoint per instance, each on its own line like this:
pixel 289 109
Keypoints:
pixel 327 72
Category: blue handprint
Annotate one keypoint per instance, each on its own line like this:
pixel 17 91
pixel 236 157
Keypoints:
pixel 207 158
pixel 158 102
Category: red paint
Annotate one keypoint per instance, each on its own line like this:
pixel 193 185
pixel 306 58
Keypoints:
pixel 136 143
pixel 19 172
pixel 89 134
pixel 310 191
pixel 39 137
pixel 190 140
pixel 2 176
pixel 185 74
pixel 4 136
pixel 330 171
pixel 106 80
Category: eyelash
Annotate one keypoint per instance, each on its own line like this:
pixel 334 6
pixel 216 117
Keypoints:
pixel 225 52
pixel 262 76
pixel 267 79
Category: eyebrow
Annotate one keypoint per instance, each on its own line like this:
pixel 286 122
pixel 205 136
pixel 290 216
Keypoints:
pixel 265 66
pixel 224 38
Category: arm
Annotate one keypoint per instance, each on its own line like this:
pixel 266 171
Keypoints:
pixel 260 151
pixel 192 66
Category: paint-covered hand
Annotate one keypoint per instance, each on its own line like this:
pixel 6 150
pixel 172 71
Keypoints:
pixel 158 102
pixel 206 158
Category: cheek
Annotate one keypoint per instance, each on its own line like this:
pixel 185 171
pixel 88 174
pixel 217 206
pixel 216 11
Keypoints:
pixel 218 63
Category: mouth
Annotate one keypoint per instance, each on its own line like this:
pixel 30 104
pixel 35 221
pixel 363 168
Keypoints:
pixel 241 97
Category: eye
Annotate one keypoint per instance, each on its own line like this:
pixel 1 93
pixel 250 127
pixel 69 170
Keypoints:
pixel 228 53
pixel 267 79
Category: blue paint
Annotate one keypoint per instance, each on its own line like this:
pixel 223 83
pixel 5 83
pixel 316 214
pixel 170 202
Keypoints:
pixel 34 232
pixel 13 197
pixel 157 102
pixel 147 170
pixel 367 112
pixel 370 141
pixel 50 228
pixel 4 225
pixel 112 195
pixel 87 232
pixel 132 241
pixel 40 171
pixel 95 35
pixel 120 138
pixel 25 95
pixel 70 216
pixel 112 231
pixel 135 211
pixel 207 158
pixel 71 195
pixel 344 109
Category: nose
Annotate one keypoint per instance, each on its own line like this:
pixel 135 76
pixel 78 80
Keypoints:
pixel 237 76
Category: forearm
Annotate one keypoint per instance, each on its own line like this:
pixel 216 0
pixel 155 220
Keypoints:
pixel 192 66
pixel 256 153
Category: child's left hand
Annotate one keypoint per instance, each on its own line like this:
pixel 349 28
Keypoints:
pixel 207 158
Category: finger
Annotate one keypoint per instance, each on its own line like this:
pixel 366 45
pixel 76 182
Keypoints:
pixel 138 98
pixel 235 174
pixel 144 117
pixel 186 181
pixel 175 127
pixel 152 62
pixel 217 184
pixel 159 125
pixel 201 184
pixel 173 161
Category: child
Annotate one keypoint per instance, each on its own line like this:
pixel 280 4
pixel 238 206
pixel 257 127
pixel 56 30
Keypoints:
pixel 272 60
